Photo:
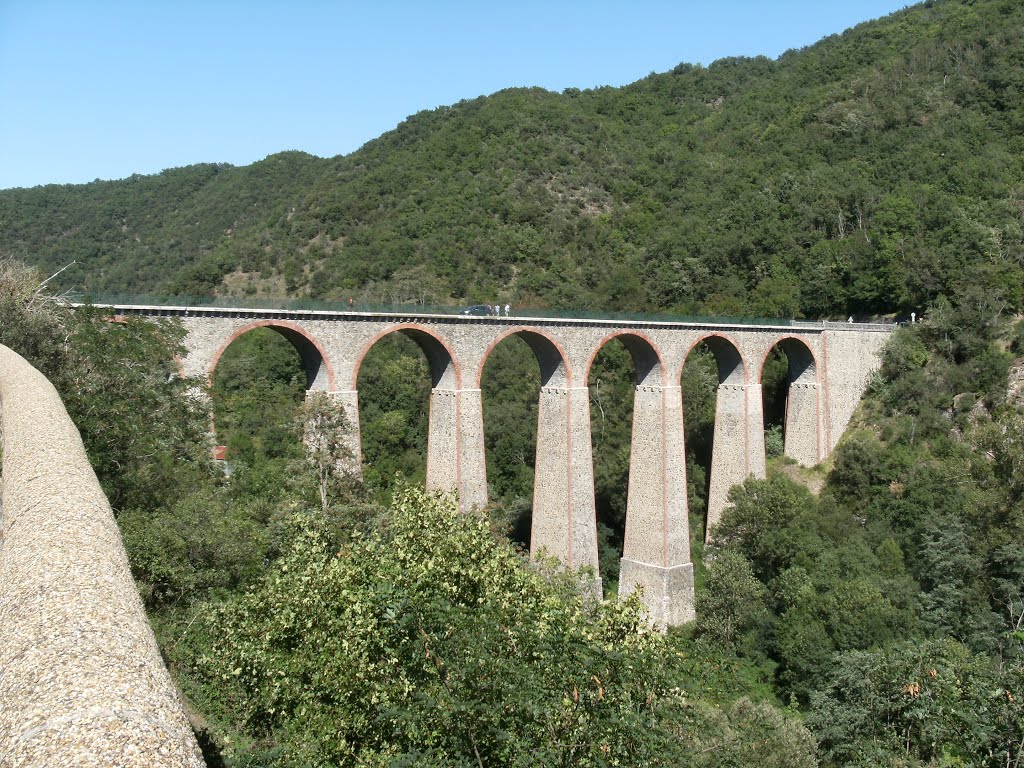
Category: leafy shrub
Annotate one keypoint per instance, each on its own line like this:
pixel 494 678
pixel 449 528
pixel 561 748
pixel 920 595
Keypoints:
pixel 931 702
pixel 732 609
pixel 431 641
pixel 774 443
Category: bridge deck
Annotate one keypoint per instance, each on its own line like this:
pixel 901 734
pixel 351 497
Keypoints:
pixel 518 316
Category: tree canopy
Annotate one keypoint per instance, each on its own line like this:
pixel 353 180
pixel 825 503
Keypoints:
pixel 874 616
pixel 866 174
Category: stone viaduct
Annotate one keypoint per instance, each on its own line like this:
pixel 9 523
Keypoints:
pixel 829 365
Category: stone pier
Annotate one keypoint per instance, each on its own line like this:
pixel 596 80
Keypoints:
pixel 829 365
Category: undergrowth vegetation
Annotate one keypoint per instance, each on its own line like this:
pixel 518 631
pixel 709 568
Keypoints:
pixel 874 616
pixel 312 621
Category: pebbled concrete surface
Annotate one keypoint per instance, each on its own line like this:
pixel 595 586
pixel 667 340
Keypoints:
pixel 81 678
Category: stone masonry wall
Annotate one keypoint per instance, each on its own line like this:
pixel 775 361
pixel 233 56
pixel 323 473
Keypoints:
pixel 81 679
pixel 829 365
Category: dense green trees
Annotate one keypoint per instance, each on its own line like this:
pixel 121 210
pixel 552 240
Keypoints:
pixel 430 642
pixel 920 703
pixel 889 608
pixel 878 621
pixel 145 436
pixel 886 605
pixel 426 640
pixel 258 387
pixel 870 173
pixel 394 408
pixel 32 320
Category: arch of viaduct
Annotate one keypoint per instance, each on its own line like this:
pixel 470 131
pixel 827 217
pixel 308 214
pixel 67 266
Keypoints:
pixel 829 364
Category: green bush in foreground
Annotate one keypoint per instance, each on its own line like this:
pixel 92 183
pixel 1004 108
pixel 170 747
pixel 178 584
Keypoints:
pixel 431 642
pixel 930 702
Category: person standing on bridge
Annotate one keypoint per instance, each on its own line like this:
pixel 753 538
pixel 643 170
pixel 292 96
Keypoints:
pixel 506 310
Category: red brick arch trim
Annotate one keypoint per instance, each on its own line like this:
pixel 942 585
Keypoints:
pixel 820 423
pixel 398 328
pixel 274 324
pixel 724 337
pixel 635 334
pixel 790 337
pixel 519 331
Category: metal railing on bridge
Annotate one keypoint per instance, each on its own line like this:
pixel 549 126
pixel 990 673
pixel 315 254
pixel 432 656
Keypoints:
pixel 320 305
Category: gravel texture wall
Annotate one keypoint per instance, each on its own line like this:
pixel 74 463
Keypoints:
pixel 81 679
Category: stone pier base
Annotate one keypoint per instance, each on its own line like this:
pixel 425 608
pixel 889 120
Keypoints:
pixel 667 592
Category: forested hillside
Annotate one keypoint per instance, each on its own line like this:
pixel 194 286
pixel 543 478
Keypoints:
pixel 866 174
pixel 867 612
pixel 879 622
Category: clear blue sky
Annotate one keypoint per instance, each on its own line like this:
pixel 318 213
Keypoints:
pixel 103 89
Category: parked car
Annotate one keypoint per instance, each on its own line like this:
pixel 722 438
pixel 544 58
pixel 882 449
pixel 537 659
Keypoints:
pixel 476 309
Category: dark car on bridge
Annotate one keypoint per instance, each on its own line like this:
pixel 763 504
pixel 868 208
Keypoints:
pixel 477 309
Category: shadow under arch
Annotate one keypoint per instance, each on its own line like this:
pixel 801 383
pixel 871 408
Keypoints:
pixel 550 356
pixel 643 351
pixel 732 368
pixel 730 442
pixel 444 368
pixel 315 363
pixel 258 377
pixel 801 425
pixel 656 538
pixel 563 523
pixel 443 459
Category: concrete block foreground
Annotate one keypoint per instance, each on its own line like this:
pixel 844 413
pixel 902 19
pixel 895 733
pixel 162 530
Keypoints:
pixel 81 678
